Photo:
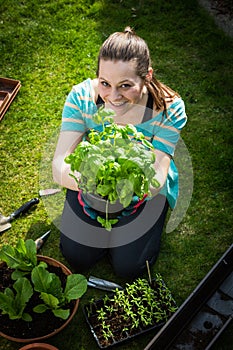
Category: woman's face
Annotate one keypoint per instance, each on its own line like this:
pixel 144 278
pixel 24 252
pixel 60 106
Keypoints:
pixel 119 85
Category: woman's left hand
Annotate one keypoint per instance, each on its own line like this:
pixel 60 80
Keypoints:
pixel 161 165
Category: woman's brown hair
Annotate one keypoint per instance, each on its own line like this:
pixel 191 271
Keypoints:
pixel 127 46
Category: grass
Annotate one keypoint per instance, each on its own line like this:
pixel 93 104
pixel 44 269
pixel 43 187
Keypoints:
pixel 50 46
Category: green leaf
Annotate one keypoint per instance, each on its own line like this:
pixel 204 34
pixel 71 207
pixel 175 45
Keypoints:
pixel 44 281
pixel 31 251
pixel 22 257
pixel 64 314
pixel 50 300
pixel 76 286
pixel 147 144
pixel 41 278
pixel 14 304
pixel 40 308
pixel 24 291
pixel 21 246
pixel 131 129
pixel 104 190
pixel 17 274
pixel 7 303
pixel 125 191
pixel 107 223
pixel 155 183
pixel 26 317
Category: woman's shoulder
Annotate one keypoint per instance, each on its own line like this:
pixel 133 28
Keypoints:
pixel 84 85
pixel 171 96
pixel 94 83
pixel 87 89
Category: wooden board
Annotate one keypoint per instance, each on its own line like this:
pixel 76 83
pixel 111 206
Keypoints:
pixel 8 90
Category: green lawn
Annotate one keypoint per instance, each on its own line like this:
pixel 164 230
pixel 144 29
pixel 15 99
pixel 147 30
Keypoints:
pixel 50 46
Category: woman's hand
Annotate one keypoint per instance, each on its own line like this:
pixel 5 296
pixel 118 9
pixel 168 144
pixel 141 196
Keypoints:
pixel 161 165
pixel 67 142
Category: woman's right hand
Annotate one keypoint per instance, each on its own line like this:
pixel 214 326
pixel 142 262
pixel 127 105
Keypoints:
pixel 67 142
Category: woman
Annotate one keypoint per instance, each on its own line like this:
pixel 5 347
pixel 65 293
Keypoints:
pixel 126 84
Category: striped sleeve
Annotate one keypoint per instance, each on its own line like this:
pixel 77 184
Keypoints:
pixel 166 130
pixel 78 108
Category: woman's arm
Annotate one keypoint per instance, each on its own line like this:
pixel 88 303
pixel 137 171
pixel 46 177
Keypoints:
pixel 67 142
pixel 162 164
pixel 166 133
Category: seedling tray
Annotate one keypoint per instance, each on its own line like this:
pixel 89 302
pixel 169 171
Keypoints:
pixel 122 328
pixel 8 90
pixel 204 315
pixel 118 337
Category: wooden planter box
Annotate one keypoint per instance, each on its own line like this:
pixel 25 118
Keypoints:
pixel 204 315
pixel 8 90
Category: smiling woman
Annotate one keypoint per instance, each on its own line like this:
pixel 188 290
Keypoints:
pixel 125 84
pixel 122 89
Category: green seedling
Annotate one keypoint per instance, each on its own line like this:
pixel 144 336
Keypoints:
pixel 140 304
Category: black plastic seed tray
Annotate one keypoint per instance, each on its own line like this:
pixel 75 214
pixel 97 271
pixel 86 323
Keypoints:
pixel 204 315
pixel 120 333
pixel 118 338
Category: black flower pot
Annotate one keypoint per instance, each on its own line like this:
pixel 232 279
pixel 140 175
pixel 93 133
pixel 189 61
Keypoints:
pixel 101 205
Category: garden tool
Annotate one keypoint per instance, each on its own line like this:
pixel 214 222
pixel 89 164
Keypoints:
pixel 42 239
pixel 49 191
pixel 5 220
pixel 100 283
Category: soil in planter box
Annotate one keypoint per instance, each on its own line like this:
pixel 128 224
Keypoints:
pixel 205 325
pixel 113 321
pixel 209 320
pixel 42 324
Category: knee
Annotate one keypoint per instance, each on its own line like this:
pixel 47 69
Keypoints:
pixel 134 268
pixel 127 269
pixel 80 257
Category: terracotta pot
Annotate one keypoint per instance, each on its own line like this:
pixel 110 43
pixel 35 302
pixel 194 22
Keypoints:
pixel 38 346
pixel 99 204
pixel 66 271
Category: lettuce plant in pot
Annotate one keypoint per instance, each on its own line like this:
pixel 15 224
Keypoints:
pixel 114 166
pixel 39 295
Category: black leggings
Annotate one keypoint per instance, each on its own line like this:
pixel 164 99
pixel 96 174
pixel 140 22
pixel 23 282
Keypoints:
pixel 127 259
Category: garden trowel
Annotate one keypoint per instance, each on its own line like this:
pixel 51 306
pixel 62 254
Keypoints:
pixel 5 221
pixel 100 283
